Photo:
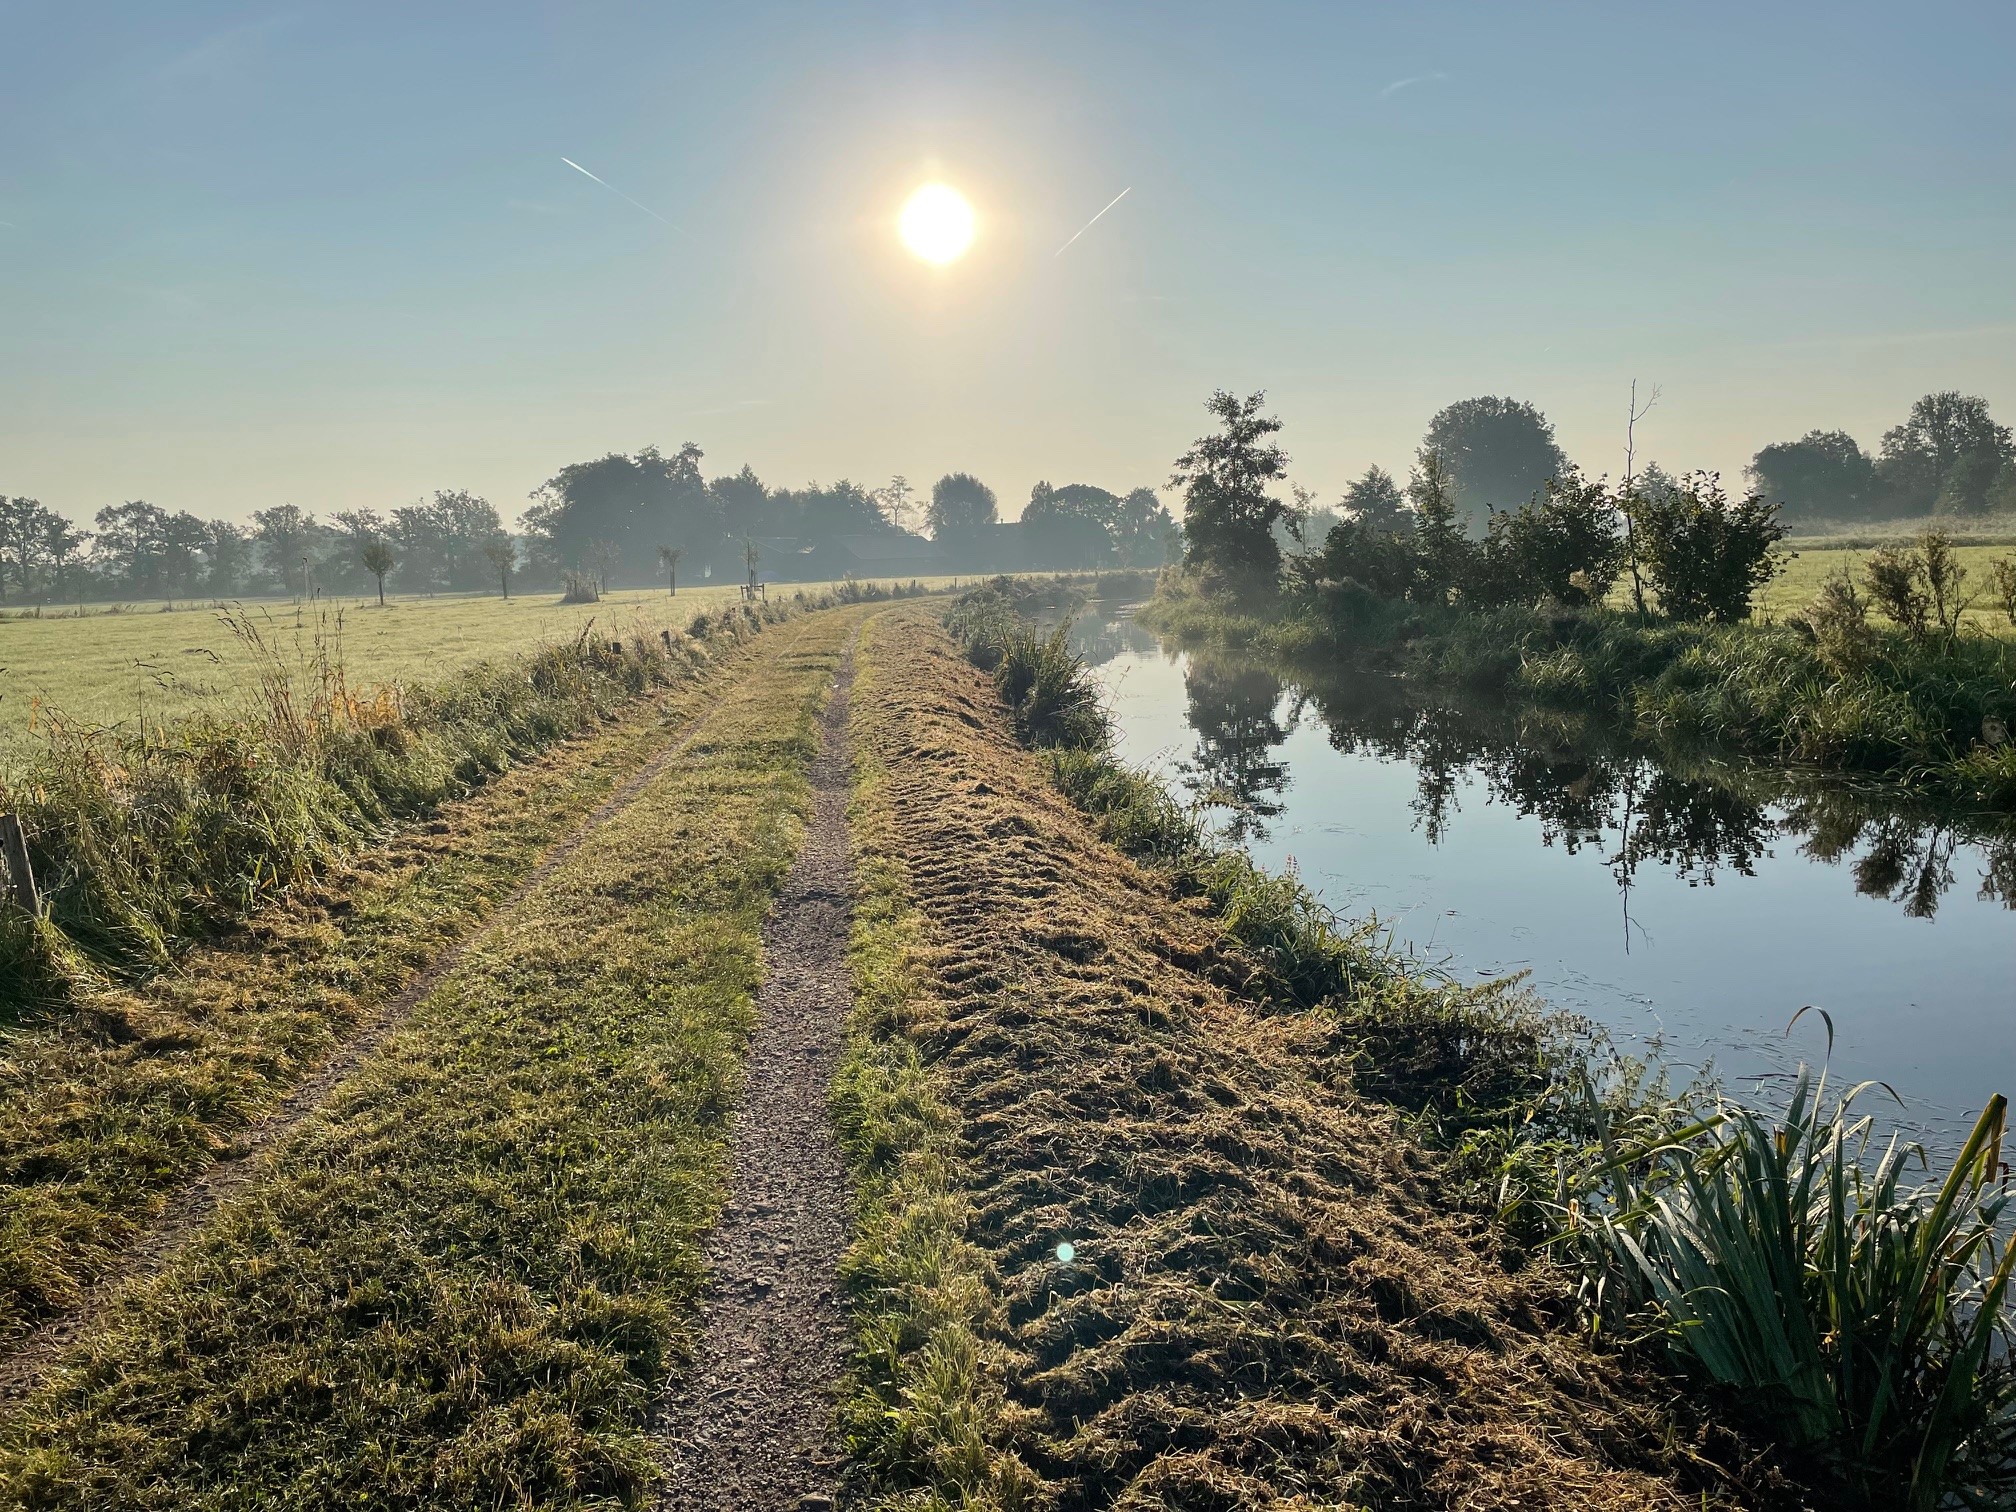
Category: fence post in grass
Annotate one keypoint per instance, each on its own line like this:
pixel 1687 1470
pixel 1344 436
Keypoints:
pixel 19 876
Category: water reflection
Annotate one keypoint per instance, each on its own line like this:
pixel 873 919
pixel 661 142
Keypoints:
pixel 1589 791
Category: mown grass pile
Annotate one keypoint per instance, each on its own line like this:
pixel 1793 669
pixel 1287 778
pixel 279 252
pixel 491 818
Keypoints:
pixel 1129 1237
pixel 1864 1320
pixel 464 1281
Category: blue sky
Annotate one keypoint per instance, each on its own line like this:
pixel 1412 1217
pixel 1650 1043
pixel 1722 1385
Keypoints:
pixel 329 254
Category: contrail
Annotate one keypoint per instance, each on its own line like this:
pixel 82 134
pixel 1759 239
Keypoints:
pixel 1397 85
pixel 618 192
pixel 1094 221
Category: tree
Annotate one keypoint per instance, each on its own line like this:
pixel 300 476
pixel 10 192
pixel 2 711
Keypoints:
pixel 602 559
pixel 668 558
pixel 1499 453
pixel 1824 475
pixel 750 557
pixel 1375 503
pixel 1707 555
pixel 283 533
pixel 1228 514
pixel 378 560
pixel 1446 556
pixel 132 540
pixel 631 503
pixel 897 501
pixel 1141 530
pixel 61 541
pixel 502 554
pixel 1947 439
pixel 961 507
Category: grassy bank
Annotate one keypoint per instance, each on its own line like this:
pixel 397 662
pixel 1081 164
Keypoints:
pixel 1131 1235
pixel 1858 1321
pixel 1927 714
pixel 464 1281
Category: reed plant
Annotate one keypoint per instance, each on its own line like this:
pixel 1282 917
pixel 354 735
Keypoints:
pixel 1862 1316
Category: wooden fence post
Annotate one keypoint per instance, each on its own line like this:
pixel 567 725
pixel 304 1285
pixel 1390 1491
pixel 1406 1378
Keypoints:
pixel 20 877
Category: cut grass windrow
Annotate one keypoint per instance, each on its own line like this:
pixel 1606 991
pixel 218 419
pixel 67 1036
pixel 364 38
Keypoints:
pixel 1125 1240
pixel 108 1110
pixel 463 1281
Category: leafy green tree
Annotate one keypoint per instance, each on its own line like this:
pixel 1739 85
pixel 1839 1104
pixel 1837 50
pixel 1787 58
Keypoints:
pixel 1824 475
pixel 1069 527
pixel 1708 554
pixel 668 560
pixel 631 503
pixel 1499 452
pixel 1948 446
pixel 502 555
pixel 285 533
pixel 961 507
pixel 378 560
pixel 1564 545
pixel 1375 503
pixel 1141 529
pixel 1446 556
pixel 1229 516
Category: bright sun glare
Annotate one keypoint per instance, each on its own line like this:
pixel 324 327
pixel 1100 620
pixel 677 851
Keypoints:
pixel 937 223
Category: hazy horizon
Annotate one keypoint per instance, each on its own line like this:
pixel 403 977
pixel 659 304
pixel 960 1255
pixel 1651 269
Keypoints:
pixel 333 257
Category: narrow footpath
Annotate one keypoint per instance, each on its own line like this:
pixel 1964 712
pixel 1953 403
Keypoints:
pixel 750 1427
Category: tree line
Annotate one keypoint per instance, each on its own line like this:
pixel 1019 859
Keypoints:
pixel 631 518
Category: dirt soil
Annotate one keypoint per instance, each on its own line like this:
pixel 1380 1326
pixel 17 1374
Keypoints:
pixel 750 1427
pixel 1270 1299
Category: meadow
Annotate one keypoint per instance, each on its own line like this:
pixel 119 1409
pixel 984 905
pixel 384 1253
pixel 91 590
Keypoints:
pixel 134 667
pixel 1812 564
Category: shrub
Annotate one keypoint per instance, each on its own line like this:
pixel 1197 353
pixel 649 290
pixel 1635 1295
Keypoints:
pixel 1919 588
pixel 579 588
pixel 2002 578
pixel 1563 545
pixel 1049 690
pixel 1706 554
pixel 1838 620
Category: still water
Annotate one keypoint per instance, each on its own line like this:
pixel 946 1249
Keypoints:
pixel 1687 906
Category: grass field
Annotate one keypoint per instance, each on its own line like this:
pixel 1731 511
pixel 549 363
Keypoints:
pixel 463 1282
pixel 1795 587
pixel 144 666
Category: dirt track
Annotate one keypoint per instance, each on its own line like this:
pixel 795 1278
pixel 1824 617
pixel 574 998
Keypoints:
pixel 750 1426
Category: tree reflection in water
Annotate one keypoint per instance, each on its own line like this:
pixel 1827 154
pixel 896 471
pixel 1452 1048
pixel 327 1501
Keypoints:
pixel 1696 818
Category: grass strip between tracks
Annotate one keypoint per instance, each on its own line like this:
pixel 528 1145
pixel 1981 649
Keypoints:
pixel 464 1280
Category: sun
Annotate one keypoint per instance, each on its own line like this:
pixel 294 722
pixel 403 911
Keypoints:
pixel 937 223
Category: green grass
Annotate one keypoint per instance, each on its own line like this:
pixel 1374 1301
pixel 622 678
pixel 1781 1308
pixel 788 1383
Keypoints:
pixel 1794 588
pixel 143 668
pixel 109 1107
pixel 464 1282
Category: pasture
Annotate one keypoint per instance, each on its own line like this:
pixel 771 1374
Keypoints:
pixel 1810 566
pixel 134 667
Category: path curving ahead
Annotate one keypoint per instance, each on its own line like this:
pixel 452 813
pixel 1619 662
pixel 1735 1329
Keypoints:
pixel 750 1426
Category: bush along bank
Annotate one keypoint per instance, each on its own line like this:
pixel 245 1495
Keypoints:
pixel 1128 1237
pixel 1887 676
pixel 1861 1320
pixel 147 841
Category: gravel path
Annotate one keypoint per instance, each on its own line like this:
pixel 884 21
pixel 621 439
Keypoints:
pixel 750 1429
